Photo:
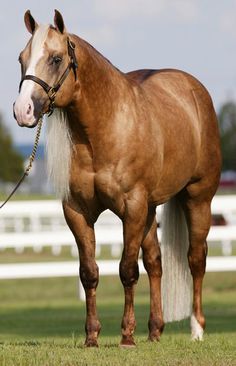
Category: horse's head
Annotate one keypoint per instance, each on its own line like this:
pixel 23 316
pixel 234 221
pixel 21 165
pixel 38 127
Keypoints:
pixel 48 67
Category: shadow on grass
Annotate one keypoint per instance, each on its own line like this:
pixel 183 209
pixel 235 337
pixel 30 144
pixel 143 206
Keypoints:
pixel 66 321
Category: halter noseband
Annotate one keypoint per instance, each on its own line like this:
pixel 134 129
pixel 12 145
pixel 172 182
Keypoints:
pixel 52 90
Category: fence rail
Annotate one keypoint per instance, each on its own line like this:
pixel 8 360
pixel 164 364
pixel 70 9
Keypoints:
pixel 106 268
pixel 105 235
pixel 41 223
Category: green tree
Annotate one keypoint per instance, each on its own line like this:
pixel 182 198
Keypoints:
pixel 227 123
pixel 11 162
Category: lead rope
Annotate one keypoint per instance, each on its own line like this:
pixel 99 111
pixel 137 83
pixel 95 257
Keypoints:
pixel 31 160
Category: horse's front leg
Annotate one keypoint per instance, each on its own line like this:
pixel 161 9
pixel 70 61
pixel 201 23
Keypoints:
pixel 133 226
pixel 85 239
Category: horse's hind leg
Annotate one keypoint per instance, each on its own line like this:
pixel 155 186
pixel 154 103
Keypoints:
pixel 198 214
pixel 152 264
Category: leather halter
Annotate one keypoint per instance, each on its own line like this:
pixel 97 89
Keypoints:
pixel 52 90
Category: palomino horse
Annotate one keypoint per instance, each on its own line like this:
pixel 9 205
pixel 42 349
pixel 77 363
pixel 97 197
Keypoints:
pixel 126 142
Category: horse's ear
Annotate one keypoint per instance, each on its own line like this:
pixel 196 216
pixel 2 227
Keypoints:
pixel 30 23
pixel 59 22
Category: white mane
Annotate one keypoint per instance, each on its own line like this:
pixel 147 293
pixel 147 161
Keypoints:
pixel 59 148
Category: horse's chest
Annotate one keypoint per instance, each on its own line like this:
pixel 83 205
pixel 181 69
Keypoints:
pixel 82 185
pixel 90 186
pixel 98 181
pixel 109 190
pixel 82 175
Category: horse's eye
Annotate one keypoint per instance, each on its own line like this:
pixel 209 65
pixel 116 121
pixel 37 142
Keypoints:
pixel 56 60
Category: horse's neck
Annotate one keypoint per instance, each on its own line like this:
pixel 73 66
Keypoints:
pixel 101 88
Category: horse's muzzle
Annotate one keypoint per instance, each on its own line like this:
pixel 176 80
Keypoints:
pixel 28 114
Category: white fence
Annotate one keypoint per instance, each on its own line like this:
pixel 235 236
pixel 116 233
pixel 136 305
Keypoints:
pixel 37 224
pixel 41 223
pixel 106 267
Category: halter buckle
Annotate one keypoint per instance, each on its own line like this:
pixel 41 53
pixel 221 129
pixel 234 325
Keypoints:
pixel 71 51
pixel 52 94
pixel 71 44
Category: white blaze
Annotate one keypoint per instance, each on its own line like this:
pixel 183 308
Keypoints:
pixel 24 114
pixel 37 51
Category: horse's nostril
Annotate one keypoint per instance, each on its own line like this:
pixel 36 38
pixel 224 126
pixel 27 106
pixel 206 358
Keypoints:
pixel 29 109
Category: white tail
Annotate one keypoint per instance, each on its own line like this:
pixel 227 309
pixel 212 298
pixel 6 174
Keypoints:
pixel 176 280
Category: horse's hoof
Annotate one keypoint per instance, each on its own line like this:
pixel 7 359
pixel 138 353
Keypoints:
pixel 155 337
pixel 91 343
pixel 127 343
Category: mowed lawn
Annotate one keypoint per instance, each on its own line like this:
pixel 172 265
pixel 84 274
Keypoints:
pixel 42 323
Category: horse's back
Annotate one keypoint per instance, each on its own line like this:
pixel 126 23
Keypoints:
pixel 173 82
pixel 143 75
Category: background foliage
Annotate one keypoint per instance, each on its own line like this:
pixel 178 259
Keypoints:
pixel 11 162
pixel 227 124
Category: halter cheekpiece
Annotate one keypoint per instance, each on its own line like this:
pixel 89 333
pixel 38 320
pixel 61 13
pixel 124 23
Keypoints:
pixel 52 90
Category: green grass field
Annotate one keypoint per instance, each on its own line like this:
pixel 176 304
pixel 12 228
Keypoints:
pixel 42 323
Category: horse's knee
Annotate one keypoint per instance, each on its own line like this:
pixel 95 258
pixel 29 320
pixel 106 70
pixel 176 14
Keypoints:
pixel 89 275
pixel 129 272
